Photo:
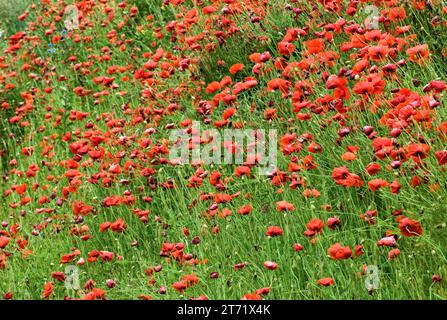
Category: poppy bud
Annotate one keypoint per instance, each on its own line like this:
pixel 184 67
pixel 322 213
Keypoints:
pixel 271 265
pixel 368 130
pixel 343 132
pixel 342 72
pixel 395 164
pixel 7 296
pixel 188 256
pixel 110 283
pixel 426 88
pixel 395 132
pixel 158 268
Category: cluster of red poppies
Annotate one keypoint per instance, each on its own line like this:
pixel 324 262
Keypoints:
pixel 87 153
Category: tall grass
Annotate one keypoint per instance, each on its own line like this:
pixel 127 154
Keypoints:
pixel 9 12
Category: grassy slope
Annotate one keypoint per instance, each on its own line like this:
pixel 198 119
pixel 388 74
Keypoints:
pixel 241 238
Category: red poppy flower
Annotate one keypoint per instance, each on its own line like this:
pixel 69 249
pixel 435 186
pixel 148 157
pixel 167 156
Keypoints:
pixel 368 216
pixel 106 255
pixel 372 84
pixel 273 231
pixel 2 261
pixel 20 189
pixel 375 184
pixel 333 222
pixel 251 296
pixel 180 286
pixel 418 150
pixel 279 84
pixel 325 282
pixel 95 294
pixel 337 252
pixel 191 279
pixel 7 296
pixel 409 227
pixel 394 253
pixel 222 198
pixel 235 68
pixel 314 45
pixel 348 156
pixel 112 201
pixel 242 170
pixel 47 290
pixel 373 168
pixel 271 265
pixel 213 87
pixel 59 276
pixel 343 177
pixel 286 48
pixel 339 84
pixel 418 53
pixel 438 86
pixel 244 210
pixel 358 250
pixel 118 226
pixel 388 241
pixel 66 258
pixel 104 226
pixel 284 206
pixel 263 291
pixel 3 242
pixel 240 266
pixel 314 226
pixel 441 156
pixel 395 186
pixel 208 9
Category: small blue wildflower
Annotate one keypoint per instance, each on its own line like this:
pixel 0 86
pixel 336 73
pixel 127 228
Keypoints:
pixel 51 48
